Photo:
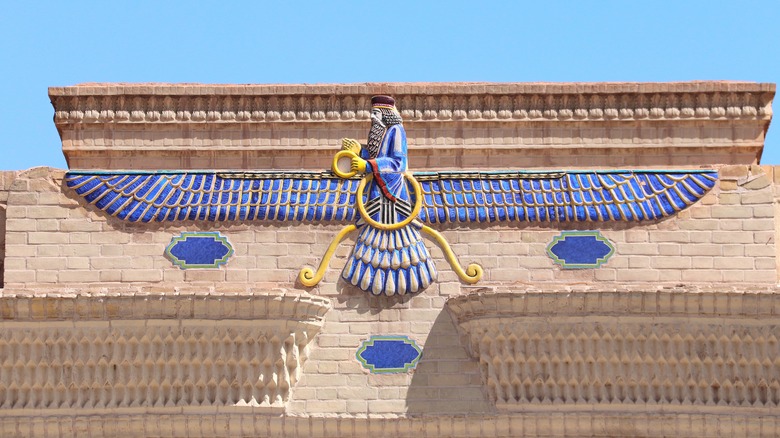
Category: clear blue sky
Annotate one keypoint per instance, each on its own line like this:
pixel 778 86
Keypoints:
pixel 64 43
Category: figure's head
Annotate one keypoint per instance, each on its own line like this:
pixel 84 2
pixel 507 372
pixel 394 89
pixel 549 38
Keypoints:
pixel 383 115
pixel 384 112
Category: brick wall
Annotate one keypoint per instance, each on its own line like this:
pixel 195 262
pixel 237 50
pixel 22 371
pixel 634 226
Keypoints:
pixel 6 179
pixel 52 239
pixel 54 243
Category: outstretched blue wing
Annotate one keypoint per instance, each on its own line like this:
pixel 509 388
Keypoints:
pixel 447 196
pixel 572 196
pixel 218 196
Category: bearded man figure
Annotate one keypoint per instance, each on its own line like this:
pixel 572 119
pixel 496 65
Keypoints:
pixel 395 260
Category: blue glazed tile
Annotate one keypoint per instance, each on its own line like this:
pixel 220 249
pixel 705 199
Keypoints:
pixel 580 249
pixel 389 354
pixel 199 250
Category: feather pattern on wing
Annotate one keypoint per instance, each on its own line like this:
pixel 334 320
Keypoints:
pixel 218 196
pixel 573 196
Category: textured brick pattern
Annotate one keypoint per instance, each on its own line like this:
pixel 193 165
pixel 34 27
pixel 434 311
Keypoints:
pixel 89 367
pixel 462 125
pixel 144 351
pixel 655 363
pixel 234 423
pixel 692 350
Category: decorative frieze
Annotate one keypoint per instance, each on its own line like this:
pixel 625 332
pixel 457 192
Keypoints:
pixel 153 352
pixel 476 126
pixel 418 102
pixel 116 366
pixel 549 348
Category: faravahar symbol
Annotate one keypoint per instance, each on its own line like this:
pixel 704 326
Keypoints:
pixel 389 206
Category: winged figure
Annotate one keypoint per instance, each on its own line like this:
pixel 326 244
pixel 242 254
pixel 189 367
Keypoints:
pixel 389 206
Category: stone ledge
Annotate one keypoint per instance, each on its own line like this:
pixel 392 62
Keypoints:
pixel 142 303
pixel 554 423
pixel 176 103
pixel 190 126
pixel 175 353
pixel 161 88
pixel 746 300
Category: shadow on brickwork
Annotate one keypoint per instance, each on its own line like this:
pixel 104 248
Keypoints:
pixel 446 380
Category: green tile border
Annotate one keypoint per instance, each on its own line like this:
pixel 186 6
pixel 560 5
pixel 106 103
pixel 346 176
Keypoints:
pixel 564 234
pixel 370 342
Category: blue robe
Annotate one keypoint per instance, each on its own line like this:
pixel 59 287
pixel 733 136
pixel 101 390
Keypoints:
pixel 397 261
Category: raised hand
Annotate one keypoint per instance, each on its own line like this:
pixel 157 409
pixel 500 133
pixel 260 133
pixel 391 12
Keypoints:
pixel 349 144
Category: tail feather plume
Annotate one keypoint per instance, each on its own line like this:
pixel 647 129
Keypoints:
pixel 392 262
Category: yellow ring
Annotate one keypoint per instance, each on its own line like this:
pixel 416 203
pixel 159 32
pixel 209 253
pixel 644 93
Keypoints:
pixel 335 165
pixel 389 227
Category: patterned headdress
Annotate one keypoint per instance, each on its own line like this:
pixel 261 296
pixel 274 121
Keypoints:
pixel 383 102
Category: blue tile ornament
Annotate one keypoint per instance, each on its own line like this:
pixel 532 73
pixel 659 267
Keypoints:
pixel 199 250
pixel 389 354
pixel 580 249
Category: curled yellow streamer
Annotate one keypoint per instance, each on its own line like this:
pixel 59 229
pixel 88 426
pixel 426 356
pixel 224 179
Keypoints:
pixel 307 276
pixel 473 272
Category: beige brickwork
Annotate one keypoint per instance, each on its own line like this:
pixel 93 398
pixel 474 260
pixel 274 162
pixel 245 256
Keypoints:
pixel 729 236
pixel 432 147
pixel 703 355
pixel 6 179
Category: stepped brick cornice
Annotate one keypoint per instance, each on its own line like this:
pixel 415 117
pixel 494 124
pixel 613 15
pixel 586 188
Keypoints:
pixel 509 125
pixel 129 350
pixel 96 304
pixel 679 346
pixel 193 103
